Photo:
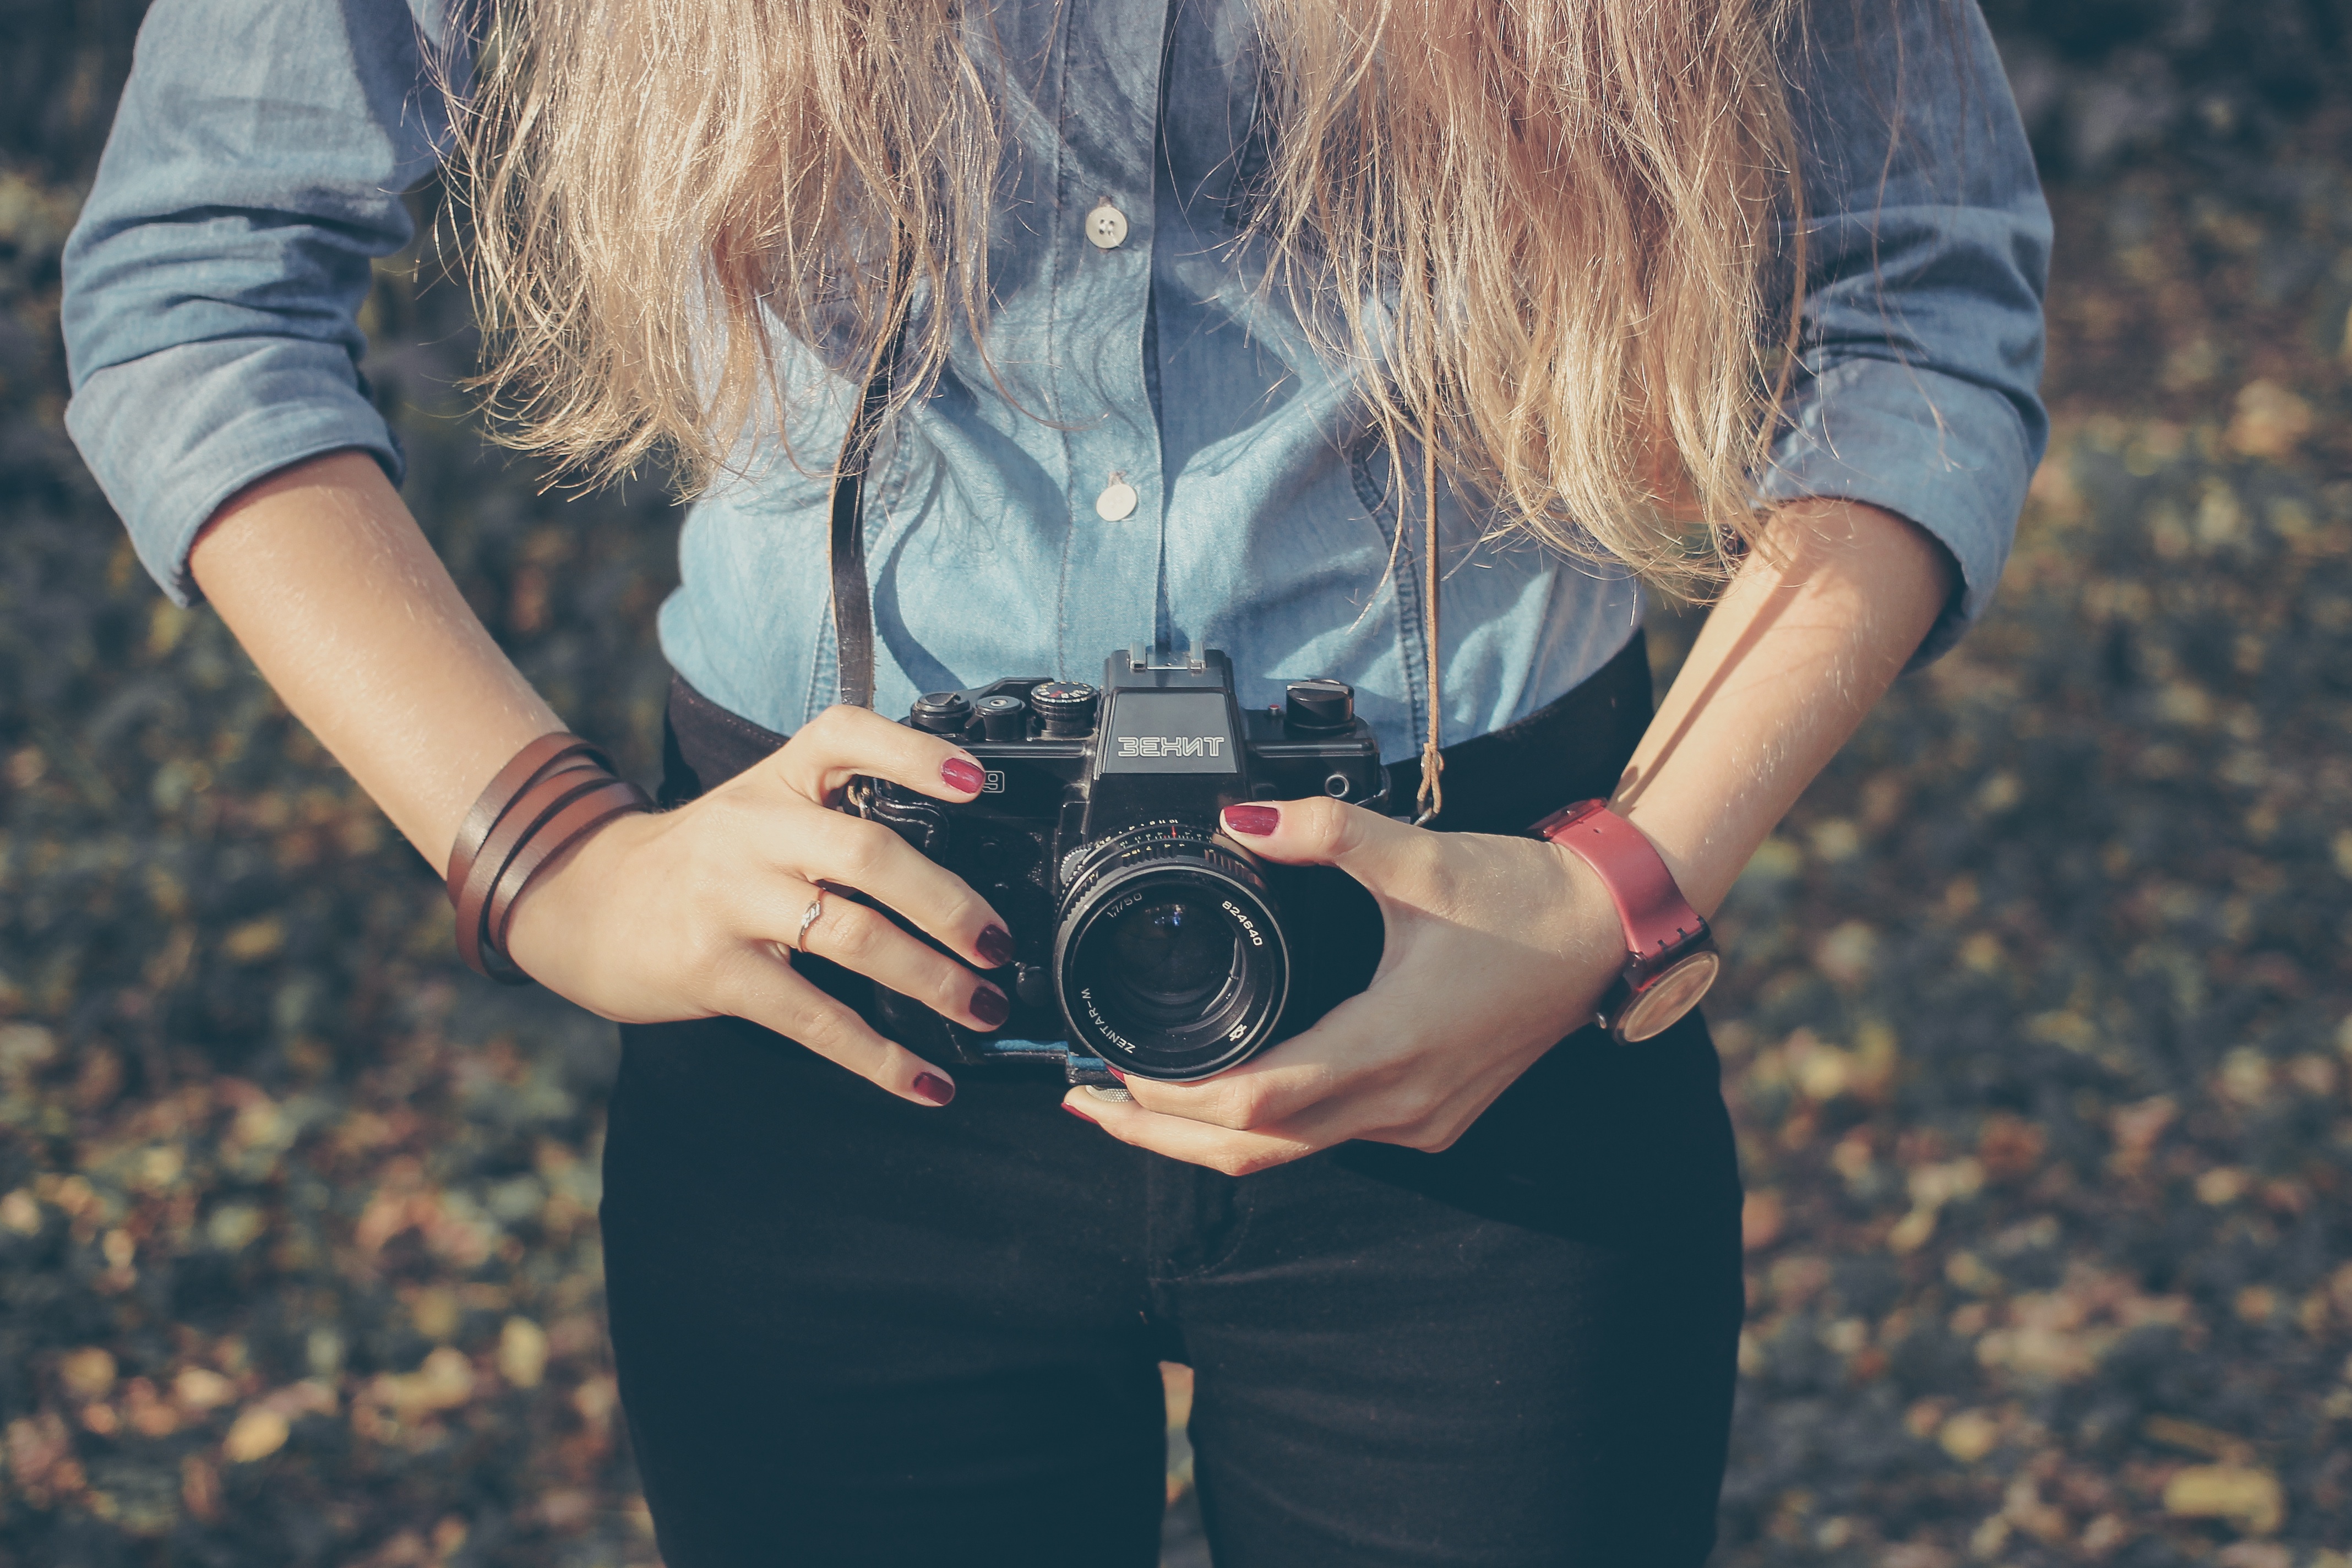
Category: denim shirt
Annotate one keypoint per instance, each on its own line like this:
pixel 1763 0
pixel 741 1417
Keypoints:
pixel 254 169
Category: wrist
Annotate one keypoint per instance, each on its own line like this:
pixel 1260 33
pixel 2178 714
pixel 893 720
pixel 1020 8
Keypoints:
pixel 554 914
pixel 1692 856
pixel 1664 950
pixel 1591 933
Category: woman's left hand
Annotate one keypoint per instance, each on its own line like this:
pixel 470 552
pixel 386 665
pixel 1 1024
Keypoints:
pixel 1495 948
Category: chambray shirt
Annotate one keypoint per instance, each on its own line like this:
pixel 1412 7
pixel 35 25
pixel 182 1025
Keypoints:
pixel 254 169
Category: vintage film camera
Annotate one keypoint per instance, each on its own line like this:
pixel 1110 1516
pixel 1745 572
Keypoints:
pixel 1145 938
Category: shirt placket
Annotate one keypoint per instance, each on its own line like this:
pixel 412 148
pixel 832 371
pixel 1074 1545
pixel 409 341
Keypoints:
pixel 1103 234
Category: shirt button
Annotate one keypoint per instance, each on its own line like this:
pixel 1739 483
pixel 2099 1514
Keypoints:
pixel 1116 503
pixel 1106 226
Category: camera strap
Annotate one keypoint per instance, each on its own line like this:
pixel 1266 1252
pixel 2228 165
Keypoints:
pixel 853 602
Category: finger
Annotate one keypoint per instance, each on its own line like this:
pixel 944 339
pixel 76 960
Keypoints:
pixel 1355 1063
pixel 851 852
pixel 870 942
pixel 1322 831
pixel 763 989
pixel 1275 1086
pixel 843 742
pixel 1194 1142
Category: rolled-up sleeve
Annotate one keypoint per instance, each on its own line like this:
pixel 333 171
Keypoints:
pixel 213 283
pixel 1926 253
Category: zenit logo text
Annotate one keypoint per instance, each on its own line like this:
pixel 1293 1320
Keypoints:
pixel 1171 745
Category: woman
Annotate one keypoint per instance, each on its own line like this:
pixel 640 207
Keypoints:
pixel 1395 344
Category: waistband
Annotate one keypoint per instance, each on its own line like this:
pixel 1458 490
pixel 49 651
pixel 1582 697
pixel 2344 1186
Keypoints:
pixel 1573 748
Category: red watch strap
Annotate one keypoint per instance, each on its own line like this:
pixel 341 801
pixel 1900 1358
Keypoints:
pixel 1656 917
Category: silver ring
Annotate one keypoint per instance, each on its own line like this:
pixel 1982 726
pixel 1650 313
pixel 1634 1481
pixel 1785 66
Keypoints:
pixel 808 918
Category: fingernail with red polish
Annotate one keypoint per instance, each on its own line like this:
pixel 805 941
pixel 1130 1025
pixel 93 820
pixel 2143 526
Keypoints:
pixel 995 947
pixel 933 1088
pixel 1114 1072
pixel 989 1005
pixel 963 774
pixel 1080 1114
pixel 1258 821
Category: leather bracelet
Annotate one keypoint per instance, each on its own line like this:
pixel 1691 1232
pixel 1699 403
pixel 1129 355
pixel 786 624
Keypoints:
pixel 537 806
pixel 524 769
pixel 551 792
pixel 614 797
pixel 541 800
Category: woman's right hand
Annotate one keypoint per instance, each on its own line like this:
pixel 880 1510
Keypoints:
pixel 694 912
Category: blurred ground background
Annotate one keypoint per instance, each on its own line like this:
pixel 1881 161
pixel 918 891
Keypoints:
pixel 2038 1029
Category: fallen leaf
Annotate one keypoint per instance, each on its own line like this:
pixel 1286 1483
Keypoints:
pixel 2249 1497
pixel 257 1434
pixel 522 1353
pixel 1970 1436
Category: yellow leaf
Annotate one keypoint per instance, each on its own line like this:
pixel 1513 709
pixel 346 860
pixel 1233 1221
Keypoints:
pixel 2250 1497
pixel 1912 1231
pixel 255 940
pixel 257 1434
pixel 200 1388
pixel 1970 1436
pixel 522 1353
pixel 88 1373
pixel 2271 421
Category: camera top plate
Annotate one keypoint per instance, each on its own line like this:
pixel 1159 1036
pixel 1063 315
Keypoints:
pixel 1169 718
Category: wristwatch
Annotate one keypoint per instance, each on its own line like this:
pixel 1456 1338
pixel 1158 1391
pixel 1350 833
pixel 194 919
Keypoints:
pixel 1670 954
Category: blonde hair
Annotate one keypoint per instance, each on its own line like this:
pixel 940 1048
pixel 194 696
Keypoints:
pixel 1552 221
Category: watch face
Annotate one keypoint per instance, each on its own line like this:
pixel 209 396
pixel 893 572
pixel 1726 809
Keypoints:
pixel 1665 999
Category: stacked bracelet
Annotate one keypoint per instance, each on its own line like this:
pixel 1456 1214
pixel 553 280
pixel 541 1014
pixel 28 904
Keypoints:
pixel 555 793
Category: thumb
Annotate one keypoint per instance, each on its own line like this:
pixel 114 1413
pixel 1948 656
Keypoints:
pixel 1320 831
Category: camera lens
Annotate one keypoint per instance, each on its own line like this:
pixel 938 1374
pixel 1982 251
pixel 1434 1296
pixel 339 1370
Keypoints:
pixel 1168 957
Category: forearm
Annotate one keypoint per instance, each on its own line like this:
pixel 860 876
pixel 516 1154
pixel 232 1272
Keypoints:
pixel 1804 642
pixel 326 580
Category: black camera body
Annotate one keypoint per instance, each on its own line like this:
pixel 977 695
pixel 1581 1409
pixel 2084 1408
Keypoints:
pixel 1145 938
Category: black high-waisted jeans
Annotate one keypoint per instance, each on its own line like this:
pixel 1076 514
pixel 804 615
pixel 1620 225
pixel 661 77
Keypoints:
pixel 855 1330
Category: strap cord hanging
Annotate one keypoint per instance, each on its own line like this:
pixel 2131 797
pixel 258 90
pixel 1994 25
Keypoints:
pixel 1431 798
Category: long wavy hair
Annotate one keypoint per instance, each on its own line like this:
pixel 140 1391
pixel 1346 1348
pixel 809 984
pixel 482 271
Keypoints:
pixel 1552 223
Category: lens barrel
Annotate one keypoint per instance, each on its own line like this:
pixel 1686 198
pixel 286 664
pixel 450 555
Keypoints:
pixel 1169 954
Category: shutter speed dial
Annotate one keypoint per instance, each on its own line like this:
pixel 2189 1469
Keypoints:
pixel 1065 708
